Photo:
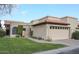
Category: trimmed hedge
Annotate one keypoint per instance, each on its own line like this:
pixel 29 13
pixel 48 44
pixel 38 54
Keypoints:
pixel 2 33
pixel 75 35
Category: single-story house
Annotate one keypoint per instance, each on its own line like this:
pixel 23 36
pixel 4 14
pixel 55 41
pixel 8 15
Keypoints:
pixel 54 28
pixel 47 28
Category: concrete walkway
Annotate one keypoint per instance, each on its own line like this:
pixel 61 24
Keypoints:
pixel 72 44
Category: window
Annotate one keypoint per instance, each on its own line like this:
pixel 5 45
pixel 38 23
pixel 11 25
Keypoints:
pixel 51 27
pixel 63 28
pixel 67 27
pixel 55 27
pixel 58 27
pixel 14 29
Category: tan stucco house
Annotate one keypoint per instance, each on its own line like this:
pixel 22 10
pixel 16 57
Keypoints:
pixel 54 28
pixel 47 28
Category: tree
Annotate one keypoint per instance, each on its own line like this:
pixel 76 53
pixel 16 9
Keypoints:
pixel 2 33
pixel 75 35
pixel 20 30
pixel 6 8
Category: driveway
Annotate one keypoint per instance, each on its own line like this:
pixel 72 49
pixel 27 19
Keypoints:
pixel 73 46
pixel 69 42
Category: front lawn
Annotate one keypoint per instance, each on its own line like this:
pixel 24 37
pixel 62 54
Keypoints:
pixel 22 45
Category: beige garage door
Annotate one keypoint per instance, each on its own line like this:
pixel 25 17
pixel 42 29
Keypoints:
pixel 59 34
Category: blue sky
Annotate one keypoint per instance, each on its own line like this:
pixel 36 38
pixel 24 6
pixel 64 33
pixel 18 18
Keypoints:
pixel 28 12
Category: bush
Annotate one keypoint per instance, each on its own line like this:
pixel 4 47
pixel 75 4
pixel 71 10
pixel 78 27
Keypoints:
pixel 17 35
pixel 75 35
pixel 20 30
pixel 2 33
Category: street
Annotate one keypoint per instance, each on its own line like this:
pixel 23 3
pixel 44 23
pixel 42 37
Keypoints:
pixel 74 51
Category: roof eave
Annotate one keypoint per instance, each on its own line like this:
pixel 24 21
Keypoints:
pixel 50 23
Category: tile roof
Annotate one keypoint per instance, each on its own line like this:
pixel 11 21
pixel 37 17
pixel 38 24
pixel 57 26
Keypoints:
pixel 69 17
pixel 51 20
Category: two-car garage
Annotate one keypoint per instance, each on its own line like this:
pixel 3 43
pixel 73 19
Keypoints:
pixel 58 32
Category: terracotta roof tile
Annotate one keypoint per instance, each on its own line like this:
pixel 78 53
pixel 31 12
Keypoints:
pixel 52 20
pixel 56 21
pixel 69 17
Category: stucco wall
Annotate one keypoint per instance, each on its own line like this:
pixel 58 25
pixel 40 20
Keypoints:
pixel 72 22
pixel 44 31
pixel 25 33
pixel 39 31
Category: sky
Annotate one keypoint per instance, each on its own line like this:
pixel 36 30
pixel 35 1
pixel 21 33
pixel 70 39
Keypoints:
pixel 29 12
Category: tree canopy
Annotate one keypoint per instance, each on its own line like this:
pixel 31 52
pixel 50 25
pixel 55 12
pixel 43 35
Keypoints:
pixel 6 8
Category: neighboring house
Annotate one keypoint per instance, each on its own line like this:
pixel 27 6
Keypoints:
pixel 47 28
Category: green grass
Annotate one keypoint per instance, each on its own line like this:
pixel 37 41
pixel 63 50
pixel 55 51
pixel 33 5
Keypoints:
pixel 22 45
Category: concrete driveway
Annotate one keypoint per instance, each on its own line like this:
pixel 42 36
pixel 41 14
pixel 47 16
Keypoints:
pixel 72 46
pixel 69 42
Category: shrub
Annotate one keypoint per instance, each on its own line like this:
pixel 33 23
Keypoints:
pixel 18 36
pixel 2 33
pixel 19 30
pixel 75 35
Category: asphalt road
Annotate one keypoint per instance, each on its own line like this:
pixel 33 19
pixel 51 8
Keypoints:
pixel 74 51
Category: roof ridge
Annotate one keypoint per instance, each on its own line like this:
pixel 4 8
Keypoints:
pixel 69 17
pixel 15 21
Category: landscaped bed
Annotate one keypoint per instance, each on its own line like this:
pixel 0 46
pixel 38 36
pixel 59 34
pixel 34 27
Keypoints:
pixel 24 45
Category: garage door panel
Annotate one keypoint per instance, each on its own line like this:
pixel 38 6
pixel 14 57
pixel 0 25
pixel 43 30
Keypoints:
pixel 59 34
